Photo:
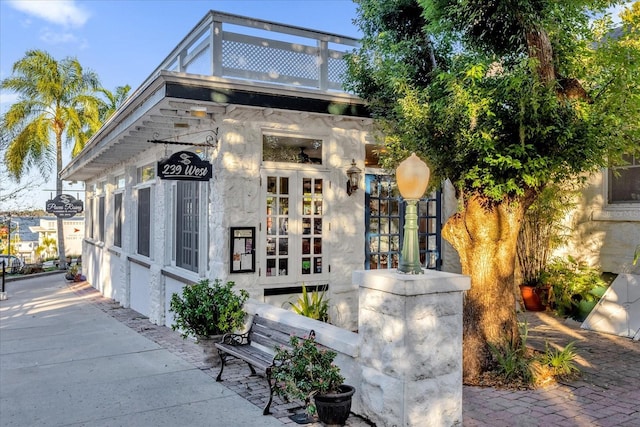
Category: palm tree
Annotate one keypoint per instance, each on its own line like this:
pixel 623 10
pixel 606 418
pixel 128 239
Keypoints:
pixel 56 103
pixel 47 246
pixel 113 101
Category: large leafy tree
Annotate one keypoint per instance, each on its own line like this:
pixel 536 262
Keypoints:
pixel 57 104
pixel 501 98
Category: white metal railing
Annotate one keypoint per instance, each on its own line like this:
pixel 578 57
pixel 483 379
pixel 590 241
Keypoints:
pixel 232 46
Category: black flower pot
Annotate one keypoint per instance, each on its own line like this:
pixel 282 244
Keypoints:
pixel 334 408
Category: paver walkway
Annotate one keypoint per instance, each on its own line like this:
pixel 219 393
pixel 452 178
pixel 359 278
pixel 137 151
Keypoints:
pixel 607 394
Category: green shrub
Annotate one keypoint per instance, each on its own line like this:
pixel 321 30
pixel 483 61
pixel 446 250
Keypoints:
pixel 517 365
pixel 204 309
pixel 572 281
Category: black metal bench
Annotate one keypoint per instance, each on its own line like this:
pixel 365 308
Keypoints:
pixel 257 348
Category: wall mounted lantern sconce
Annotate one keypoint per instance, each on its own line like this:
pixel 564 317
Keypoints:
pixel 354 177
pixel 412 176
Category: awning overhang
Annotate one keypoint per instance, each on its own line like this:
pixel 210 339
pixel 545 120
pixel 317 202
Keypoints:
pixel 177 103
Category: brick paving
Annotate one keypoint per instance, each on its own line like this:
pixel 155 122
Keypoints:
pixel 606 395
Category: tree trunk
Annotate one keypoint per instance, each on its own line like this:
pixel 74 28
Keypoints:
pixel 539 48
pixel 60 223
pixel 485 234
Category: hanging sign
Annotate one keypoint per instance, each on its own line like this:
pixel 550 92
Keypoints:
pixel 64 206
pixel 186 166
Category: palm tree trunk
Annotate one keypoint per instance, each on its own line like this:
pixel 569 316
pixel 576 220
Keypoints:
pixel 60 223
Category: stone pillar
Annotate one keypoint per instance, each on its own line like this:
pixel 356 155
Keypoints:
pixel 410 328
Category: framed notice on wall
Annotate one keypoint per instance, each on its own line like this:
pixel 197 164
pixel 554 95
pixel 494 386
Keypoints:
pixel 243 250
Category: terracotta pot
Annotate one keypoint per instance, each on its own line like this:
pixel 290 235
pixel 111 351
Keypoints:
pixel 531 298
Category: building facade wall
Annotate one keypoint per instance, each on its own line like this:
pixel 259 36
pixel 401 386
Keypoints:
pixel 234 197
pixel 604 235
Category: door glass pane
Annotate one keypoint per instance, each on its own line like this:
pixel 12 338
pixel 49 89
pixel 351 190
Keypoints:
pixel 384 222
pixel 294 228
pixel 277 226
pixel 271 267
pixel 312 209
pixel 306 265
pixel 283 248
pixel 271 246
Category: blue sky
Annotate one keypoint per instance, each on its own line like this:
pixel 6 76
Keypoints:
pixel 123 41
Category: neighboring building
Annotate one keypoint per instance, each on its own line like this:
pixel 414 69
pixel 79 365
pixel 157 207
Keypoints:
pixel 606 223
pixel 262 102
pixel 26 250
pixel 73 231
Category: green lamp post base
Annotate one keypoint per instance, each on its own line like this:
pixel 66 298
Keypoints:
pixel 410 254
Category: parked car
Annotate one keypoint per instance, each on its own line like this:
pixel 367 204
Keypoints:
pixel 12 263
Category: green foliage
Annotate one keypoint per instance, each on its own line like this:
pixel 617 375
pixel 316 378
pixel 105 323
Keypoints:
pixel 204 309
pixel 502 99
pixel 572 281
pixel 561 362
pixel 512 359
pixel 312 305
pixel 517 364
pixel 542 231
pixel 305 370
pixel 456 83
pixel 636 255
pixel 56 104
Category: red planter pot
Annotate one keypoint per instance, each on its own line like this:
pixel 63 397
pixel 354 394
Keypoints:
pixel 532 298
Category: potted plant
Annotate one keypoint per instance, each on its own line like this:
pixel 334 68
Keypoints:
pixel 73 273
pixel 206 311
pixel 307 372
pixel 576 287
pixel 535 293
pixel 542 231
pixel 312 304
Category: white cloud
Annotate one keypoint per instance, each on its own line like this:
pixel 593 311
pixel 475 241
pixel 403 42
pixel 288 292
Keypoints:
pixel 61 12
pixel 54 37
pixel 615 11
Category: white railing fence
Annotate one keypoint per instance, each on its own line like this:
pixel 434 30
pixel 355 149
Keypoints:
pixel 231 46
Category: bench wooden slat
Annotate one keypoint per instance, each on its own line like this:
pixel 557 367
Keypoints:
pixel 279 327
pixel 258 358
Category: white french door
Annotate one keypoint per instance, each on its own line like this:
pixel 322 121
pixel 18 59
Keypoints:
pixel 293 229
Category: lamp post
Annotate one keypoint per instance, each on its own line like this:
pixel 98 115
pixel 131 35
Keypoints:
pixel 412 176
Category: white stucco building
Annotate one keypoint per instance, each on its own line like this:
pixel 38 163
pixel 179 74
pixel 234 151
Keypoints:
pixel 263 104
pixel 605 226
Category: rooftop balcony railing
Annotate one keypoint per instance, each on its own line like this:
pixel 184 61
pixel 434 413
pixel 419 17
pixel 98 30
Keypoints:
pixel 232 46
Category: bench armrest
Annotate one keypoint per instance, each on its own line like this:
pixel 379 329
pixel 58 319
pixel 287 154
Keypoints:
pixel 236 339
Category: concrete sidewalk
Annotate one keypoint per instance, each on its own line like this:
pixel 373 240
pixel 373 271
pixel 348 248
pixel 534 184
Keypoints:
pixel 65 362
pixel 69 356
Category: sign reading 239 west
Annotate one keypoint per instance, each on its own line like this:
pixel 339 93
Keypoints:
pixel 185 166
